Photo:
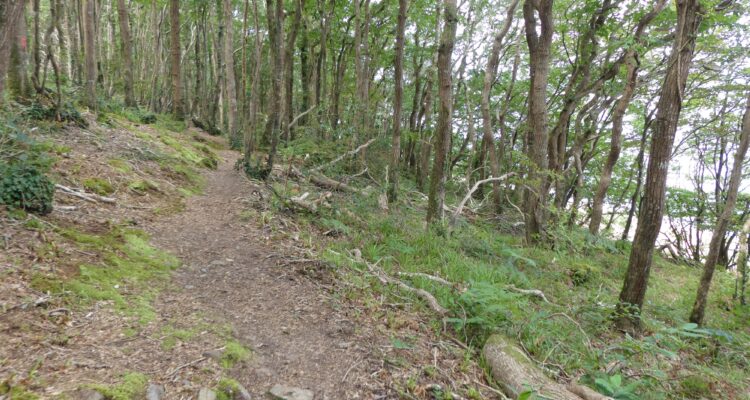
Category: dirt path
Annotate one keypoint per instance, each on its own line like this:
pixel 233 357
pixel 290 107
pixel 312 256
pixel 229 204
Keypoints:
pixel 229 274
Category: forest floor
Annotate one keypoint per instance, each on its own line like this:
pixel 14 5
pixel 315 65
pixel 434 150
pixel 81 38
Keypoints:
pixel 93 299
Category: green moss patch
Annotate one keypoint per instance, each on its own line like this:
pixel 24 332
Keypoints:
pixel 99 186
pixel 132 387
pixel 128 273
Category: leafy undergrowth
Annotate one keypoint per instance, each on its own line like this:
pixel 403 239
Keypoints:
pixel 571 337
pixel 87 273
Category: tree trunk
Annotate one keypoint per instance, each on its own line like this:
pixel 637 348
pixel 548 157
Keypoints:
pixel 539 50
pixel 393 171
pixel 229 79
pixel 89 50
pixel 11 13
pixel 249 136
pixel 289 71
pixel 275 16
pixel 664 129
pixel 436 196
pixel 489 77
pixel 127 58
pixel 699 308
pixel 175 51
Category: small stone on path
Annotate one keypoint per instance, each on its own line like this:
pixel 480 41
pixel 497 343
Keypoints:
pixel 206 394
pixel 281 392
pixel 155 392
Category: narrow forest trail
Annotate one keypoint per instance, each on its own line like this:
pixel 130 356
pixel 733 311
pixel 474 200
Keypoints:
pixel 297 338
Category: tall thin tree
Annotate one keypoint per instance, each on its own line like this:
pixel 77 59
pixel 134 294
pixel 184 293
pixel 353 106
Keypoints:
pixel 175 55
pixel 398 72
pixel 664 130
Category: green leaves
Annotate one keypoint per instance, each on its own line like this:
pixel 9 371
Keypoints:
pixel 612 386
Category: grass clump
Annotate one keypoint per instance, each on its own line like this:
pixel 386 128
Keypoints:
pixel 132 387
pixel 234 352
pixel 99 186
pixel 143 186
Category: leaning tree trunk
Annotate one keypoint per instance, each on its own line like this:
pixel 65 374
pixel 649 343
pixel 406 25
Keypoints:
pixel 741 283
pixel 539 49
pixel 699 308
pixel 127 58
pixel 664 129
pixel 89 50
pixel 393 171
pixel 175 51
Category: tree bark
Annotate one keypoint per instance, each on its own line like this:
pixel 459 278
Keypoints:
pixel 436 196
pixel 10 14
pixel 229 79
pixel 489 77
pixel 127 58
pixel 539 49
pixel 664 129
pixel 699 307
pixel 89 50
pixel 275 16
pixel 175 53
pixel 393 171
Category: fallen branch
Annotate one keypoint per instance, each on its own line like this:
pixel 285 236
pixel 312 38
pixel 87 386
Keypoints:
pixel 90 197
pixel 426 276
pixel 300 115
pixel 341 157
pixel 531 292
pixel 189 364
pixel 471 191
pixel 385 278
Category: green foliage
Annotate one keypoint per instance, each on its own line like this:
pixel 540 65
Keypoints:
pixel 24 185
pixel 147 118
pixel 695 387
pixel 68 113
pixel 612 386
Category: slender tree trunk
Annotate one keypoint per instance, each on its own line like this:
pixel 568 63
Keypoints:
pixel 229 81
pixel 436 196
pixel 394 169
pixel 664 129
pixel 539 49
pixel 175 52
pixel 127 58
pixel 489 77
pixel 89 49
pixel 275 14
pixel 699 308
pixel 289 70
pixel 249 137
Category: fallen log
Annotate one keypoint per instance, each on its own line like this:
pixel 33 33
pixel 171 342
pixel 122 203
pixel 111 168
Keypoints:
pixel 473 189
pixel 516 373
